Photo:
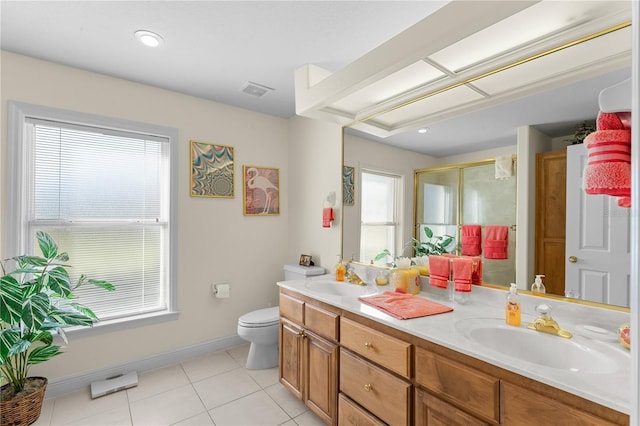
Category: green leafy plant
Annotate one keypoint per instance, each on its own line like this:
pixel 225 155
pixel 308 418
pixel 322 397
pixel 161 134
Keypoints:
pixel 582 131
pixel 35 304
pixel 434 245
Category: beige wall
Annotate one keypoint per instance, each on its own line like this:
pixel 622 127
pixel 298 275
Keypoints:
pixel 216 242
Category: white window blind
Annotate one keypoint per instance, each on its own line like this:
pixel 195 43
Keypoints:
pixel 103 195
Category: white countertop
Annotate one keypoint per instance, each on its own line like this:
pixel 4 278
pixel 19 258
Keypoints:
pixel 611 389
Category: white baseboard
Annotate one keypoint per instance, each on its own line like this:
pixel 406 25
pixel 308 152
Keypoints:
pixel 63 385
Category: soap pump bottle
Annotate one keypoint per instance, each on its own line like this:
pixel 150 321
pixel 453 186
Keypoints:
pixel 537 286
pixel 340 270
pixel 513 306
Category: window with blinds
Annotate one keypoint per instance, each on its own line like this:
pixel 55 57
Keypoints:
pixel 104 195
pixel 379 214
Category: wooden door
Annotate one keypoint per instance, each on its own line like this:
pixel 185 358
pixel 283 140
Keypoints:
pixel 321 377
pixel 551 177
pixel 291 357
pixel 597 257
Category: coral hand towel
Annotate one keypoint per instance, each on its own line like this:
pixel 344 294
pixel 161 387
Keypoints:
pixel 496 242
pixel 439 271
pixel 471 238
pixel 404 306
pixel 476 274
pixel 462 271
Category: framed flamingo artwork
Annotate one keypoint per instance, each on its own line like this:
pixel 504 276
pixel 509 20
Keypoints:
pixel 261 191
pixel 212 170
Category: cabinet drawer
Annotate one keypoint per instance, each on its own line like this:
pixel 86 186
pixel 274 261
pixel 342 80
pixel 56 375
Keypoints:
pixel 431 411
pixel 524 407
pixel 385 350
pixel 292 308
pixel 351 414
pixel 477 392
pixel 382 393
pixel 323 322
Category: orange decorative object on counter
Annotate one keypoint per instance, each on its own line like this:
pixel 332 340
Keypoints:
pixel 404 278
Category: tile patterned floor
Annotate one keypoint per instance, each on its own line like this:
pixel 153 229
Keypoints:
pixel 214 389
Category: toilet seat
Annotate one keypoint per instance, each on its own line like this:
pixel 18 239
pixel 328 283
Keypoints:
pixel 261 318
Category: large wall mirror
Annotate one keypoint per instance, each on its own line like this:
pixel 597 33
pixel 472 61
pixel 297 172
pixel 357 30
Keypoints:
pixel 551 116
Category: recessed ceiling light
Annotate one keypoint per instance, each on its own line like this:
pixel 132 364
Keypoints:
pixel 148 38
pixel 423 130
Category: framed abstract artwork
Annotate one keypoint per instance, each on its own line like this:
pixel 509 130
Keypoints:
pixel 212 170
pixel 348 185
pixel 261 191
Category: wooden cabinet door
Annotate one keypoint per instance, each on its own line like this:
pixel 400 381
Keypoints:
pixel 432 411
pixel 290 371
pixel 551 178
pixel 321 377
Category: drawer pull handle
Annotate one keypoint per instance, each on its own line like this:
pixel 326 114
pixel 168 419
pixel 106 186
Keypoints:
pixel 368 387
pixel 368 345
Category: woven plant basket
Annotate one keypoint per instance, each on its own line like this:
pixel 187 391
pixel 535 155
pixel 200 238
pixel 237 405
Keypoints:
pixel 24 409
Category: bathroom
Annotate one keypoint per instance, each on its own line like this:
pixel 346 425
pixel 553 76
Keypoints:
pixel 308 154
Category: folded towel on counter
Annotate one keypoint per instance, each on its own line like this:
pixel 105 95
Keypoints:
pixel 496 242
pixel 404 306
pixel 476 273
pixel 462 270
pixel 439 269
pixel 471 239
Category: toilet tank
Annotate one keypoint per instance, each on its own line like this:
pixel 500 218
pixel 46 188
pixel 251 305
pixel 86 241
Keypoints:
pixel 293 271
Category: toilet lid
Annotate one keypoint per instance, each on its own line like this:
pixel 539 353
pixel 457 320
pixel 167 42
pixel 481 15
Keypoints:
pixel 261 318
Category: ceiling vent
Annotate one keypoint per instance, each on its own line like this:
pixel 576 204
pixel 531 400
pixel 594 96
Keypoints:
pixel 255 89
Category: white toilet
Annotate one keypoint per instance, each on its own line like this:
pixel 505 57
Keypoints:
pixel 260 327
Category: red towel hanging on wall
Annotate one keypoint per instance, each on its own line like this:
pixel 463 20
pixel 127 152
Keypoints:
pixel 471 239
pixel 496 242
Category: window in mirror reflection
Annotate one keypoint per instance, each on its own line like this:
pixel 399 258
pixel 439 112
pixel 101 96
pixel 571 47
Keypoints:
pixel 379 215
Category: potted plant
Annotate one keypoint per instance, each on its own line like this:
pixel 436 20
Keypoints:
pixel 434 245
pixel 36 302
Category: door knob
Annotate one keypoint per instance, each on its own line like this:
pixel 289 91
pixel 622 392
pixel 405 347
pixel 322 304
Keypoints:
pixel 573 259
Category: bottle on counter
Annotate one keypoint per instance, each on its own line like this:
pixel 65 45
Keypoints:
pixel 537 286
pixel 340 270
pixel 513 311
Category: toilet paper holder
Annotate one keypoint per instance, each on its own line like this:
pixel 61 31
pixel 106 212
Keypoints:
pixel 221 290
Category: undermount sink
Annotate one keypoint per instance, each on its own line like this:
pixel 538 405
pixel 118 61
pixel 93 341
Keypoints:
pixel 577 354
pixel 334 288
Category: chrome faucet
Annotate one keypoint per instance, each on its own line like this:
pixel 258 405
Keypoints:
pixel 546 324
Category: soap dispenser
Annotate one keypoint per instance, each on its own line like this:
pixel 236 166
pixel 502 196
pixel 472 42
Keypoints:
pixel 513 307
pixel 340 270
pixel 537 286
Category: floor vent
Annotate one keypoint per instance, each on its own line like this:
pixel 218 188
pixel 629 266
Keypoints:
pixel 114 384
pixel 255 89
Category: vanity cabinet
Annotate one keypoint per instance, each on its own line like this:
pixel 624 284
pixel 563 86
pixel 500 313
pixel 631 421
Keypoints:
pixel 309 355
pixel 387 376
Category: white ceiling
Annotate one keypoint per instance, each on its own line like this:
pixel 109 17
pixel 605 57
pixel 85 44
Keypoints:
pixel 213 48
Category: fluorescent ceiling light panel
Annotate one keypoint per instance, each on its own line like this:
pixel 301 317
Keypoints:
pixel 434 104
pixel 574 58
pixel 415 75
pixel 538 21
